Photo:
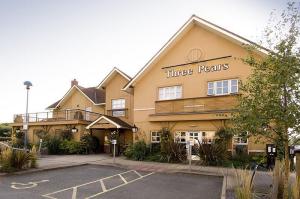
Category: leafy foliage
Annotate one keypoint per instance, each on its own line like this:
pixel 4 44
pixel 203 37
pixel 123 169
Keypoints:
pixel 270 100
pixel 13 160
pixel 215 153
pixel 53 145
pixel 71 147
pixel 90 143
pixel 137 151
pixel 5 130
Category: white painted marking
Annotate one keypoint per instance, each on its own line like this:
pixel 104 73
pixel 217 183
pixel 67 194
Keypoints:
pixel 102 186
pixel 99 180
pixel 123 179
pixel 138 173
pixel 74 193
pixel 119 186
pixel 29 185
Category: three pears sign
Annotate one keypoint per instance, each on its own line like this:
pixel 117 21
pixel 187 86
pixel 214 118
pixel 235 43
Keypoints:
pixel 200 69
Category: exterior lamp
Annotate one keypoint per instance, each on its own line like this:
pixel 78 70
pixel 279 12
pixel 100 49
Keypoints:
pixel 18 130
pixel 134 129
pixel 28 84
pixel 74 130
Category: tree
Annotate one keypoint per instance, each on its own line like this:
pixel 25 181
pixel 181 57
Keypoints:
pixel 270 100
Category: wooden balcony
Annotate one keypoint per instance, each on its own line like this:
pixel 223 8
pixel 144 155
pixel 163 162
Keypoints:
pixel 210 104
pixel 57 116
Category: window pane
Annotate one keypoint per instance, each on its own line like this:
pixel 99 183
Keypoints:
pixel 234 89
pixel 219 91
pixel 234 82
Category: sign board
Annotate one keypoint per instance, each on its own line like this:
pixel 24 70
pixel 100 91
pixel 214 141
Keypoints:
pixel 25 127
pixel 114 141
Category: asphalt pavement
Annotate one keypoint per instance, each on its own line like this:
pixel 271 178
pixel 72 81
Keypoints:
pixel 94 181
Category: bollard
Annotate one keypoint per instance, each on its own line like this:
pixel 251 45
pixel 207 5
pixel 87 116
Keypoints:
pixel 297 153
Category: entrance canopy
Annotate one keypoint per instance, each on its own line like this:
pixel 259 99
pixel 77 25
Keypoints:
pixel 108 122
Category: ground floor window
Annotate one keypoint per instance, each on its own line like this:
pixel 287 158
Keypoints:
pixel 155 137
pixel 183 136
pixel 180 137
pixel 240 139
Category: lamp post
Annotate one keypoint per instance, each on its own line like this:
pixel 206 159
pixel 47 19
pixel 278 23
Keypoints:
pixel 28 84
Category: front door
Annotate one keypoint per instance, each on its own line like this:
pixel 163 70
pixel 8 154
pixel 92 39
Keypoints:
pixel 195 135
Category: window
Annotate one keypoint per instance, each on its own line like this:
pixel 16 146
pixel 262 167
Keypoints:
pixel 171 92
pixel 155 137
pixel 222 87
pixel 240 139
pixel 195 136
pixel 180 137
pixel 118 107
pixel 208 136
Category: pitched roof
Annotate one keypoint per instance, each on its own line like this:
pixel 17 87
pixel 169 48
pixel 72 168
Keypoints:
pixel 117 122
pixel 179 34
pixel 96 96
pixel 111 74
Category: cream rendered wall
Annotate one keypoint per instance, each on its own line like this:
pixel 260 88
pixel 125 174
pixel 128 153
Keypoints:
pixel 113 91
pixel 78 101
pixel 212 46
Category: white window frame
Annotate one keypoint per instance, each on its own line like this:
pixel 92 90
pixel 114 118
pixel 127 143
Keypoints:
pixel 210 140
pixel 178 137
pixel 239 140
pixel 213 86
pixel 117 110
pixel 156 135
pixel 170 92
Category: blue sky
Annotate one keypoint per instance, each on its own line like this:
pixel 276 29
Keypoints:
pixel 50 42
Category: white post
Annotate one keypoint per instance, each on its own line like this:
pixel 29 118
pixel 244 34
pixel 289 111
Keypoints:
pixel 190 157
pixel 114 142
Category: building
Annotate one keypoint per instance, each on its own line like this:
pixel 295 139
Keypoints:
pixel 190 87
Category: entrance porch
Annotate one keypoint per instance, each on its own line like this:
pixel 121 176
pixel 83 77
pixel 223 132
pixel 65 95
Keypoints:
pixel 108 128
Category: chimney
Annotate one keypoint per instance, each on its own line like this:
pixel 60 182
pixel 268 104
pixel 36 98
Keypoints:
pixel 74 82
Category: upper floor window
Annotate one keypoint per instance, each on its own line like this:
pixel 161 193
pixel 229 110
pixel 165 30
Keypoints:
pixel 222 87
pixel 170 92
pixel 118 106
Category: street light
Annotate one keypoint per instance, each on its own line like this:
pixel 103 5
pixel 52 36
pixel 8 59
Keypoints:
pixel 28 84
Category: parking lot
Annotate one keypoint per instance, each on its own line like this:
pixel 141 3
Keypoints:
pixel 92 181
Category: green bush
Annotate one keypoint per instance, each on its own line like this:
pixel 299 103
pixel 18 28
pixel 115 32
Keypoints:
pixel 71 147
pixel 13 160
pixel 66 135
pixel 53 145
pixel 89 143
pixel 137 151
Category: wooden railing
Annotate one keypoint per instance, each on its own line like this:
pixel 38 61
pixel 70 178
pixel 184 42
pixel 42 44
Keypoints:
pixel 61 115
pixel 193 105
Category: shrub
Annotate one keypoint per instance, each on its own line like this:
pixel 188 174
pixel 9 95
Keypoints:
pixel 53 145
pixel 171 151
pixel 71 147
pixel 33 163
pixel 90 143
pixel 136 151
pixel 215 153
pixel 66 135
pixel 243 190
pixel 12 160
pixel 5 159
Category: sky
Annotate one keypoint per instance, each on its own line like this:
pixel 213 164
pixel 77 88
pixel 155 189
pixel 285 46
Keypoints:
pixel 51 42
